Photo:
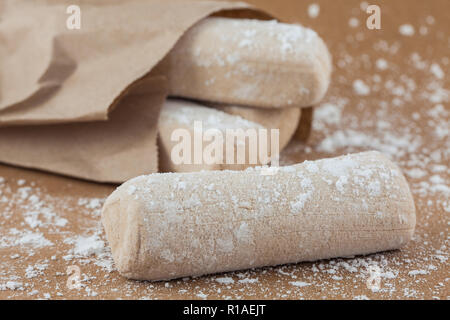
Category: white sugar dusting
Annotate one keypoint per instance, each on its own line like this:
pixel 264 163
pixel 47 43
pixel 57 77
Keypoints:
pixel 43 229
pixel 361 88
pixel 313 10
pixel 225 280
pixel 86 246
pixel 299 284
pixel 353 22
pixel 382 64
pixel 437 71
pixel 406 30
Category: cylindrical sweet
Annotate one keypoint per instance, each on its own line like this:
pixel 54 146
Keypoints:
pixel 171 225
pixel 285 120
pixel 181 114
pixel 263 64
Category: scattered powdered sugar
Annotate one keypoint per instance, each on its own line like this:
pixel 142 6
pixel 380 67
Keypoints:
pixel 12 285
pixel 86 246
pixel 437 71
pixel 35 270
pixel 416 173
pixel 406 30
pixel 360 87
pixel 388 143
pixel 92 206
pixel 382 64
pixel 248 280
pixel 299 284
pixel 353 22
pixel 225 280
pixel 26 238
pixel 35 224
pixel 313 10
pixel 418 272
pixel 328 113
pixel 202 295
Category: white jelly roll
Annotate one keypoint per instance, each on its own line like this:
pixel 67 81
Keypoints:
pixel 264 64
pixel 188 116
pixel 171 225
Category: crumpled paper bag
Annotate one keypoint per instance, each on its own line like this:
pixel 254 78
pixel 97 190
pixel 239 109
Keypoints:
pixel 107 151
pixel 83 102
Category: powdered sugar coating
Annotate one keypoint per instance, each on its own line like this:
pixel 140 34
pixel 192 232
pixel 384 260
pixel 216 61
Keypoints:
pixel 252 220
pixel 242 61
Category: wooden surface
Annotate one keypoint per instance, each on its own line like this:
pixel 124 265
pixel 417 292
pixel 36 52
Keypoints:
pixel 405 115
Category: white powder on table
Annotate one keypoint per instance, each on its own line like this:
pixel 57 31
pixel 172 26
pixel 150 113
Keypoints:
pixel 437 71
pixel 353 22
pixel 313 10
pixel 406 30
pixel 86 246
pixel 382 64
pixel 225 280
pixel 361 88
pixel 299 283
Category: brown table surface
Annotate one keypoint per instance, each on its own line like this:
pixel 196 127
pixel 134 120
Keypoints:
pixel 399 105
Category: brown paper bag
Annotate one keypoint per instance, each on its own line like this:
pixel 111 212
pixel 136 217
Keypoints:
pixel 106 151
pixel 50 75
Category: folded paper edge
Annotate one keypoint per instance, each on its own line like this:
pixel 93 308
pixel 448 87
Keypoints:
pixel 226 9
